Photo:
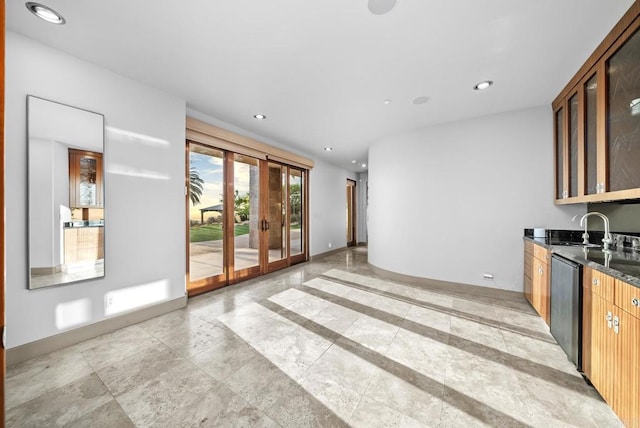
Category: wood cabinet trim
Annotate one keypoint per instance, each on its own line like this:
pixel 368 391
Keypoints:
pixel 618 195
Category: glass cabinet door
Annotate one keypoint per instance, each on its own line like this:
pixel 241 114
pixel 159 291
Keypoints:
pixel 85 179
pixel 573 146
pixel 623 116
pixel 590 135
pixel 559 138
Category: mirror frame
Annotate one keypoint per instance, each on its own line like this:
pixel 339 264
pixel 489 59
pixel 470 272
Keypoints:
pixel 61 217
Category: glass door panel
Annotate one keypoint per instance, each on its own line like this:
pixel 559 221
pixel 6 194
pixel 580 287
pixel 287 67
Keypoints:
pixel 277 212
pixel 559 138
pixel 591 153
pixel 246 217
pixel 296 212
pixel 623 116
pixel 206 232
pixel 573 146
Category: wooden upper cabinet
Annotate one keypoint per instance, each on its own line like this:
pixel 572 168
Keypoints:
pixel 623 115
pixel 85 179
pixel 626 401
pixel 561 183
pixel 597 121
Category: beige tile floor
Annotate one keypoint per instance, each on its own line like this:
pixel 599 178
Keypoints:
pixel 324 344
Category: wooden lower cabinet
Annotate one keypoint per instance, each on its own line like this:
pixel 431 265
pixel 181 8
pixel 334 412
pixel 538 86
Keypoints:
pixel 611 347
pixel 528 282
pixel 83 244
pixel 603 345
pixel 626 399
pixel 536 279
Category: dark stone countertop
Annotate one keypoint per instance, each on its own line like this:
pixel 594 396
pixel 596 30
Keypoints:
pixel 81 224
pixel 622 263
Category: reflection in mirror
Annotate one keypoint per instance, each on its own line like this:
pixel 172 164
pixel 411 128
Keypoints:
pixel 66 193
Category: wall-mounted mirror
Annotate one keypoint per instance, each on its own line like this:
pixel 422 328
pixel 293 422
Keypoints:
pixel 66 193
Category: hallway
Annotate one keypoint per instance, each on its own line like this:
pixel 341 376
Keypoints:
pixel 326 343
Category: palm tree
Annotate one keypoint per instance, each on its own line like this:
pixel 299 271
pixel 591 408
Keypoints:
pixel 195 185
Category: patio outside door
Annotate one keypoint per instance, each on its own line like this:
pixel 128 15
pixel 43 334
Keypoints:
pixel 206 261
pixel 247 217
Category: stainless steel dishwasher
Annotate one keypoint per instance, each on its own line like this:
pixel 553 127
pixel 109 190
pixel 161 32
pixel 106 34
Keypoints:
pixel 566 307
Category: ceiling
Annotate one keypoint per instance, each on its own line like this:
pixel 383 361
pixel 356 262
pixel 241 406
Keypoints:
pixel 320 70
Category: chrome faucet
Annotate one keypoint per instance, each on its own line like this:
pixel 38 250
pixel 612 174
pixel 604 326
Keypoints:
pixel 585 235
pixel 607 240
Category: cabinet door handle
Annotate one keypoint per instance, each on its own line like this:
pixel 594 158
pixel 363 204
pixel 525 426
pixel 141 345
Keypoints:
pixel 609 319
pixel 635 302
pixel 595 281
pixel 616 324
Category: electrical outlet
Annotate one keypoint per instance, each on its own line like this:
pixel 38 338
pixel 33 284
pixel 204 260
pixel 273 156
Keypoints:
pixel 109 301
pixel 487 275
pixel 330 245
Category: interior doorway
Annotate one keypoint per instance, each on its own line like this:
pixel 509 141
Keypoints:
pixel 351 213
pixel 247 216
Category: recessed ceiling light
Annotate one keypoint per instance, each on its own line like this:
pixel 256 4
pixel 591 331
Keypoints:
pixel 328 149
pixel 259 116
pixel 380 7
pixel 420 100
pixel 364 165
pixel 45 12
pixel 387 102
pixel 353 161
pixel 483 85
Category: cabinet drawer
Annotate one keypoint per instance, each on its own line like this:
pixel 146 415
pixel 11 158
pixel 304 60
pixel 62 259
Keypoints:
pixel 541 253
pixel 627 298
pixel 602 285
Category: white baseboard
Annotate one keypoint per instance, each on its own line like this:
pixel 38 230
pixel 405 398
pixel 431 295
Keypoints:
pixel 327 253
pixel 56 342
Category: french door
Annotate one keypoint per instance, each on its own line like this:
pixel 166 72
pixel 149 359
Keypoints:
pixel 247 217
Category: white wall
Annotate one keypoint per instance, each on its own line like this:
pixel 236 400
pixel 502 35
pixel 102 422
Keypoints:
pixel 451 202
pixel 144 185
pixel 41 201
pixel 328 207
pixel 61 210
pixel 328 198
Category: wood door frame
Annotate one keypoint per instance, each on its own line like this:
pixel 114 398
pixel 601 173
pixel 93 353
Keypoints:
pixel 211 283
pixel 353 217
pixel 304 256
pixel 236 276
pixel 264 210
pixel 2 210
